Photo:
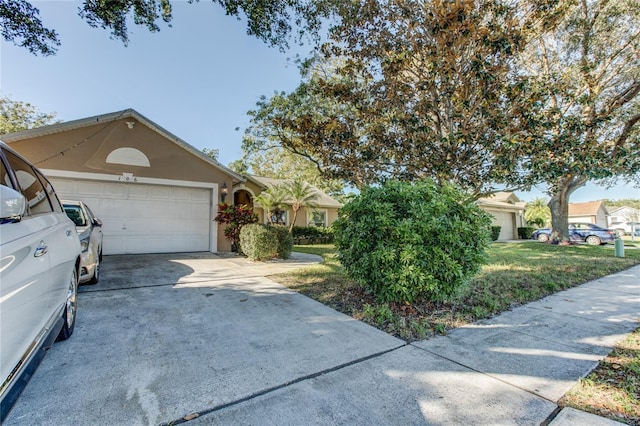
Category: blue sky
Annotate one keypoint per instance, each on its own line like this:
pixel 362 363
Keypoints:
pixel 196 79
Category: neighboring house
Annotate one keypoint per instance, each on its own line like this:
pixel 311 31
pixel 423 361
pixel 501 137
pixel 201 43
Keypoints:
pixel 507 211
pixel 324 214
pixel 592 212
pixel 153 191
pixel 623 214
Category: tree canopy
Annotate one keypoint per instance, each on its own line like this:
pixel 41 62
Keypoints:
pixel 409 90
pixel 16 116
pixel 271 21
pixel 277 163
pixel 587 72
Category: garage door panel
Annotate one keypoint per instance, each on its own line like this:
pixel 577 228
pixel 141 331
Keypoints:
pixel 201 196
pixel 182 194
pixel 113 190
pixel 160 193
pixel 141 218
pixel 88 188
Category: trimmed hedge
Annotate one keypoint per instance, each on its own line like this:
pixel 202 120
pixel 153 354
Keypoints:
pixel 312 235
pixel 524 233
pixel 495 232
pixel 258 242
pixel 266 242
pixel 407 242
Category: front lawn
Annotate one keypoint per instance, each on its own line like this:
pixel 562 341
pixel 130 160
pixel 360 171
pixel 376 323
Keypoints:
pixel 517 273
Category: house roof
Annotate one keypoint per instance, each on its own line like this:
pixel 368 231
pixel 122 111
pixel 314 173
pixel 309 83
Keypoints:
pixel 113 116
pixel 503 196
pixel 586 209
pixel 324 200
pixel 502 201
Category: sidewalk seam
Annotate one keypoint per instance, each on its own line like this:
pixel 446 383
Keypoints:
pixel 197 414
pixel 483 373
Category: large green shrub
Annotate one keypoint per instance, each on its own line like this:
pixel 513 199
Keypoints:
pixel 406 242
pixel 258 242
pixel 285 240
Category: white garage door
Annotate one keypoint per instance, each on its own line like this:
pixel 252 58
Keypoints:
pixel 505 221
pixel 142 218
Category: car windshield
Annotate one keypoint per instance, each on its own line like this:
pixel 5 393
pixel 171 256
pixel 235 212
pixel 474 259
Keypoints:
pixel 76 215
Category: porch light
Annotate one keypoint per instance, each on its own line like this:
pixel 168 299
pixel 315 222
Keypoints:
pixel 224 192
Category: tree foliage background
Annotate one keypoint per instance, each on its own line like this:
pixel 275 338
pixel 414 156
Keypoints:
pixel 16 116
pixel 273 21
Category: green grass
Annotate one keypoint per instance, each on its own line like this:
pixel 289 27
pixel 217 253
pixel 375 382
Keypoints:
pixel 517 273
pixel 612 390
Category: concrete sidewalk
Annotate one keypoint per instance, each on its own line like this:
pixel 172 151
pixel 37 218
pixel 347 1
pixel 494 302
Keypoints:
pixel 508 370
pixel 189 344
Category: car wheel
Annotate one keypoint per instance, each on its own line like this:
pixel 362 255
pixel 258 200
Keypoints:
pixel 592 240
pixel 71 305
pixel 96 272
pixel 543 238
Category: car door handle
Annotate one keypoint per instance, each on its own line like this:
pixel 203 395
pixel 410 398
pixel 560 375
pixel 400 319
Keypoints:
pixel 69 232
pixel 41 250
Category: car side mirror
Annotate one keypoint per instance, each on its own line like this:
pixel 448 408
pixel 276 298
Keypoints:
pixel 13 205
pixel 97 222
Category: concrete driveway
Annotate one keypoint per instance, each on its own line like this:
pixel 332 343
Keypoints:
pixel 163 336
pixel 204 339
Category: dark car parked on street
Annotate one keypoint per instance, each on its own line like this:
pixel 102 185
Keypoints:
pixel 589 233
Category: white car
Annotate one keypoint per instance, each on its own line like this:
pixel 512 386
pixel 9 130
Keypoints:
pixel 39 267
pixel 89 229
pixel 625 228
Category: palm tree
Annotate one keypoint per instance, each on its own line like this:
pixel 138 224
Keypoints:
pixel 301 195
pixel 273 201
pixel 537 212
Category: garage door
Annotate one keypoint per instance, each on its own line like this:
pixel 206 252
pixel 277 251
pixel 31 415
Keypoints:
pixel 143 218
pixel 505 221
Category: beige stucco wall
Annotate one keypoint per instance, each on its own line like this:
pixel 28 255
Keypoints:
pixel 86 150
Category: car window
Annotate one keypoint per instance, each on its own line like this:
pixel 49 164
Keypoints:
pixel 30 185
pixel 4 176
pixel 53 197
pixel 90 216
pixel 76 215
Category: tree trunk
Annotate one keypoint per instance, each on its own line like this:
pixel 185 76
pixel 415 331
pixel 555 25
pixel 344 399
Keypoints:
pixel 295 216
pixel 559 206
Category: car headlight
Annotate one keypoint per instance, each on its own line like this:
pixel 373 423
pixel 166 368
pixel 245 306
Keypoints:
pixel 84 243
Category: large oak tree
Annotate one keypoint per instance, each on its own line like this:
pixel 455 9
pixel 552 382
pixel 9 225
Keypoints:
pixel 588 74
pixel 412 89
